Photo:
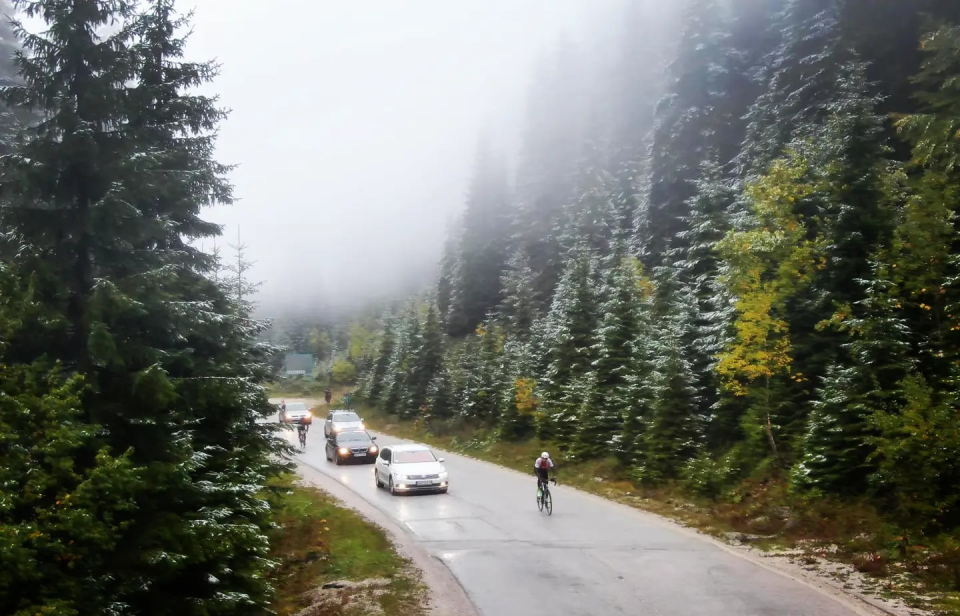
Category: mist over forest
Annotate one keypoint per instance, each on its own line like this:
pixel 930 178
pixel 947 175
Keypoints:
pixel 702 252
pixel 724 258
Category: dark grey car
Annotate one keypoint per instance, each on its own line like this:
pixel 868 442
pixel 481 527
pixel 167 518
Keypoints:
pixel 351 446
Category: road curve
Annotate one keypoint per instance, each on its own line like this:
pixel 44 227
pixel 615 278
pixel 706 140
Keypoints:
pixel 592 557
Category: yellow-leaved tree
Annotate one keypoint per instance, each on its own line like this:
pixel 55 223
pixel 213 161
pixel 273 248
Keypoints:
pixel 764 266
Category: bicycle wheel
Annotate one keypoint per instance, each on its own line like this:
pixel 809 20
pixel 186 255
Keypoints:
pixel 548 502
pixel 539 499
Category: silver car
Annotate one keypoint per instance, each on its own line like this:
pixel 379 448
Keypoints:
pixel 338 421
pixel 295 412
pixel 403 469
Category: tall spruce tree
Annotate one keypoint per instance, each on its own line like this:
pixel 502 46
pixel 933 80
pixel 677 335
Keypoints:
pixel 800 74
pixel 484 245
pixel 621 369
pixel 691 120
pixel 107 191
pixel 674 428
pixel 569 346
pixel 519 308
pixel 427 361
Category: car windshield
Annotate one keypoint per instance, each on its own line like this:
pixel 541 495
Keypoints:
pixel 412 457
pixel 296 406
pixel 353 436
pixel 346 417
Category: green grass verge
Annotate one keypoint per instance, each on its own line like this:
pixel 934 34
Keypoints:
pixel 761 510
pixel 318 541
pixel 299 387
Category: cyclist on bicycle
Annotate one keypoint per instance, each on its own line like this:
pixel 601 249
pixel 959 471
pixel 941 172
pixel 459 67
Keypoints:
pixel 302 428
pixel 542 468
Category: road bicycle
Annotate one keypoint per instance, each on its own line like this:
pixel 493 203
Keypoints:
pixel 302 433
pixel 544 499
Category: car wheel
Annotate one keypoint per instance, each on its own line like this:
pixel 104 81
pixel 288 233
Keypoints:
pixel 392 489
pixel 376 479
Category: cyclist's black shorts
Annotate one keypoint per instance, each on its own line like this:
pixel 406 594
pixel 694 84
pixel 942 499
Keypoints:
pixel 543 474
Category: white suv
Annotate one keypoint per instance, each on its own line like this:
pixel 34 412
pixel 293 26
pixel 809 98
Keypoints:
pixel 338 421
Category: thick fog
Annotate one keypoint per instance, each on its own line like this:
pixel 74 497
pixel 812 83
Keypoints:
pixel 354 125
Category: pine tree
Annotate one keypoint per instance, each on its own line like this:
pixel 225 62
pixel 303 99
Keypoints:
pixel 621 365
pixel 483 378
pixel 569 346
pixel 800 77
pixel 107 191
pixel 698 268
pixel 396 394
pixel 441 398
pixel 448 280
pixel 519 309
pixel 673 430
pixel 427 361
pixel 592 218
pixel 378 377
pixel 484 248
pixel 520 397
pixel 691 119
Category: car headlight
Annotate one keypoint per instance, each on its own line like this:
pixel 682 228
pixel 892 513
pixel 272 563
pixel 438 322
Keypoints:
pixel 343 451
pixel 336 429
pixel 309 413
pixel 374 449
pixel 443 475
pixel 401 477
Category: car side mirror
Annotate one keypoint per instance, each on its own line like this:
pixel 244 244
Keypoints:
pixel 373 438
pixel 440 460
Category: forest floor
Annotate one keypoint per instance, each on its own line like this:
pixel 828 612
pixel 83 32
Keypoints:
pixel 332 562
pixel 849 544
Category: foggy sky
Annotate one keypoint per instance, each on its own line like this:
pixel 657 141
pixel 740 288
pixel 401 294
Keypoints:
pixel 354 124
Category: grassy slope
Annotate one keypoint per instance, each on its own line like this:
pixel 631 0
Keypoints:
pixel 852 533
pixel 318 541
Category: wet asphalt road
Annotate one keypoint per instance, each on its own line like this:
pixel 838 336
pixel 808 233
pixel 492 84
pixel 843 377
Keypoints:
pixel 590 558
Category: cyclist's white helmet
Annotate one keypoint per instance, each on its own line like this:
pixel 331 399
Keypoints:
pixel 545 455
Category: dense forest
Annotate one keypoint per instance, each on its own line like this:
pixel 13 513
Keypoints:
pixel 132 463
pixel 733 254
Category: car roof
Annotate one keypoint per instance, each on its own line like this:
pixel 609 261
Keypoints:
pixel 341 411
pixel 409 447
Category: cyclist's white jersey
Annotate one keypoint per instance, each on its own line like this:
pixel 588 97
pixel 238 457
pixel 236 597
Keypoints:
pixel 543 463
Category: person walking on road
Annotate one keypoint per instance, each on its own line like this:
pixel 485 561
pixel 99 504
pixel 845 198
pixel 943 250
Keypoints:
pixel 328 396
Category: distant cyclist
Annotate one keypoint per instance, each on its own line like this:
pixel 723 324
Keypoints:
pixel 302 428
pixel 543 467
